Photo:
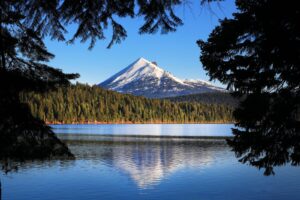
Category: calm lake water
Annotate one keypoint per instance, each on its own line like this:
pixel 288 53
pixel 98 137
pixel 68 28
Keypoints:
pixel 130 167
pixel 147 129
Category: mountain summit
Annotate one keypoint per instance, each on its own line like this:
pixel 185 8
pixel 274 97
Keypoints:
pixel 145 78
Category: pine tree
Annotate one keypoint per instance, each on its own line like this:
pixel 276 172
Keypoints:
pixel 257 55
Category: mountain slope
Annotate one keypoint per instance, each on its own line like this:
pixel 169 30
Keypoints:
pixel 145 78
pixel 220 98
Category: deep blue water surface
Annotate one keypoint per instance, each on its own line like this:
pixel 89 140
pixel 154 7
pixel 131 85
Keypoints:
pixel 127 167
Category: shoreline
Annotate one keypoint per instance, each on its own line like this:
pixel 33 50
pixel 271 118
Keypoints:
pixel 99 123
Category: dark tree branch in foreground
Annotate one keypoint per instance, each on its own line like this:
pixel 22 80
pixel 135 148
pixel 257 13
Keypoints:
pixel 50 18
pixel 257 54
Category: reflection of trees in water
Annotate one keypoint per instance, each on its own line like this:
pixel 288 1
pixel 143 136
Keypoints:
pixel 149 161
pixel 146 161
pixel 14 166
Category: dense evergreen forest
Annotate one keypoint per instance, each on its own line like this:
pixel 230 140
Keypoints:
pixel 222 98
pixel 82 103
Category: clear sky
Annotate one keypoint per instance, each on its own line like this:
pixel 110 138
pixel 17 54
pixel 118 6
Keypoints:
pixel 175 52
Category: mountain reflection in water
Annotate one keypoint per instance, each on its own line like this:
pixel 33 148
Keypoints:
pixel 128 167
pixel 149 160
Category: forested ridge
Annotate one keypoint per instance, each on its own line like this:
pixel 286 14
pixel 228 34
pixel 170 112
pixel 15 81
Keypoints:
pixel 223 98
pixel 82 103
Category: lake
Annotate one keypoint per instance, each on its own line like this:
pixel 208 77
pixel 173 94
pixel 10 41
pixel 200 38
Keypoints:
pixel 121 165
pixel 146 129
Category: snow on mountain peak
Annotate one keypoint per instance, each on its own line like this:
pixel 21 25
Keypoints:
pixel 146 78
pixel 139 69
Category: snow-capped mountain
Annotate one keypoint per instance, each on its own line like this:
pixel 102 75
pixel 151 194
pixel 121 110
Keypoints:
pixel 145 78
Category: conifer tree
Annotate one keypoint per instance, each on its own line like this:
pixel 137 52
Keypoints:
pixel 257 55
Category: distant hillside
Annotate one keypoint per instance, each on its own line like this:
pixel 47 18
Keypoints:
pixel 81 104
pixel 220 98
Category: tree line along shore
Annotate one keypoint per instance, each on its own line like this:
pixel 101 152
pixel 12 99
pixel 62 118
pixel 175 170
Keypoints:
pixel 91 104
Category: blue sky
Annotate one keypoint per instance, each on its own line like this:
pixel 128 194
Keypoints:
pixel 175 52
